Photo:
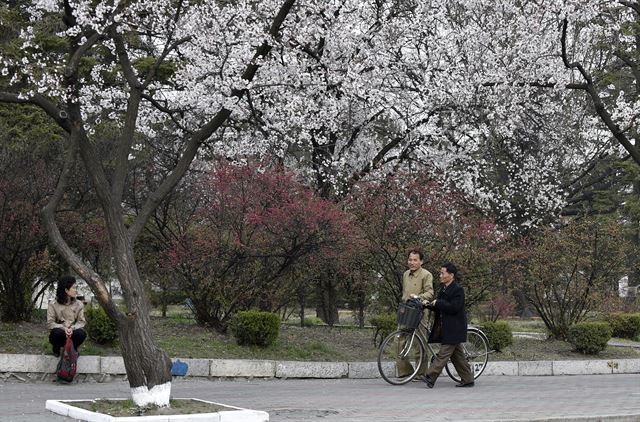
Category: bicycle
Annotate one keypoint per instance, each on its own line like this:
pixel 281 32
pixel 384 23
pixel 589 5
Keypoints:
pixel 408 343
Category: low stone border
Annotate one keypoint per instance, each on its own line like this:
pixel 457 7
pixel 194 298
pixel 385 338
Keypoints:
pixel 31 368
pixel 66 408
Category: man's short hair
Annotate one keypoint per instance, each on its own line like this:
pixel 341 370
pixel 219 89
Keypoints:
pixel 451 269
pixel 415 251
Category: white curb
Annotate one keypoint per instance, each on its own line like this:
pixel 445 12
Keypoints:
pixel 66 408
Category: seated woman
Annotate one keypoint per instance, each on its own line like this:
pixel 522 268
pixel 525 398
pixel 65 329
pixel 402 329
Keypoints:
pixel 65 316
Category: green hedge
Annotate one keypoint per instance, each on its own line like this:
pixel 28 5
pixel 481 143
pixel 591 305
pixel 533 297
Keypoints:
pixel 385 323
pixel 312 322
pixel 499 334
pixel 589 337
pixel 100 328
pixel 625 325
pixel 255 328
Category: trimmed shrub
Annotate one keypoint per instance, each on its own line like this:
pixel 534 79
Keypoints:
pixel 499 334
pixel 255 328
pixel 624 325
pixel 312 322
pixel 385 324
pixel 589 337
pixel 100 328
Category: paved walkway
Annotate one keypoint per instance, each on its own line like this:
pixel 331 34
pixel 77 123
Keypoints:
pixel 495 398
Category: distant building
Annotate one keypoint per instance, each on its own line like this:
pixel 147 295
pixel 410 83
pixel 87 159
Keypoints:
pixel 624 290
pixel 83 289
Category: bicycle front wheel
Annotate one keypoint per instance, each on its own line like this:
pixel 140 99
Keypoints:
pixel 476 351
pixel 400 357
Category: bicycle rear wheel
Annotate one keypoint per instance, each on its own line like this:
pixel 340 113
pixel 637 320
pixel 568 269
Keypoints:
pixel 476 349
pixel 400 357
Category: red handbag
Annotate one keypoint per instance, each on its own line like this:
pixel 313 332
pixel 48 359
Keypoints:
pixel 68 364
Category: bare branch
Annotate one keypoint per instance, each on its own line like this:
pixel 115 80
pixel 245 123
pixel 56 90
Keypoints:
pixel 170 112
pixel 168 49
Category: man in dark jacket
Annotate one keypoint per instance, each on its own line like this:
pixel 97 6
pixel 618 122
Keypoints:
pixel 449 328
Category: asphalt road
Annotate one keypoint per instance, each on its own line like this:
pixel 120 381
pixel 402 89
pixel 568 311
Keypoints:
pixel 498 398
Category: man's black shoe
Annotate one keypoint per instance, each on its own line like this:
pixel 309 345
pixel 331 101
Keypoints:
pixel 430 383
pixel 468 384
pixel 55 351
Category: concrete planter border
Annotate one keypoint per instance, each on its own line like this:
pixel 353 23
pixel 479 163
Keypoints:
pixel 66 408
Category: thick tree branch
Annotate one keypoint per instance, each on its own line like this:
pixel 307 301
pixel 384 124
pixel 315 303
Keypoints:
pixel 48 215
pixel 629 62
pixel 538 85
pixel 125 62
pixel 380 156
pixel 599 106
pixel 194 141
pixel 131 117
pixel 358 129
pixel 72 66
pixel 93 37
pixel 44 103
pixel 633 5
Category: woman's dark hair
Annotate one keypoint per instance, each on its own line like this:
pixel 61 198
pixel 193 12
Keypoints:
pixel 64 283
pixel 451 269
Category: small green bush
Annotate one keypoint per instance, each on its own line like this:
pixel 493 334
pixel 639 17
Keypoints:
pixel 312 322
pixel 499 334
pixel 255 328
pixel 385 323
pixel 100 328
pixel 624 325
pixel 589 337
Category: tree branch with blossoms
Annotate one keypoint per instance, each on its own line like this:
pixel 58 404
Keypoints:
pixel 598 104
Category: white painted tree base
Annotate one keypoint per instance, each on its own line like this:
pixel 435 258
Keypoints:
pixel 66 408
pixel 158 395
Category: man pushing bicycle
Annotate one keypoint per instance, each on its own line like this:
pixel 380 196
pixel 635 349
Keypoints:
pixel 417 283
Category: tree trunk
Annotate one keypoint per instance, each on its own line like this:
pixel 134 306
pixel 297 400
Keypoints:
pixel 523 305
pixel 327 308
pixel 15 304
pixel 148 367
pixel 164 302
pixel 361 306
pixel 302 301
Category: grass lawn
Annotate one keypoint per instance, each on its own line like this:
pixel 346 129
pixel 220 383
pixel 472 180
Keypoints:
pixel 181 337
pixel 529 326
